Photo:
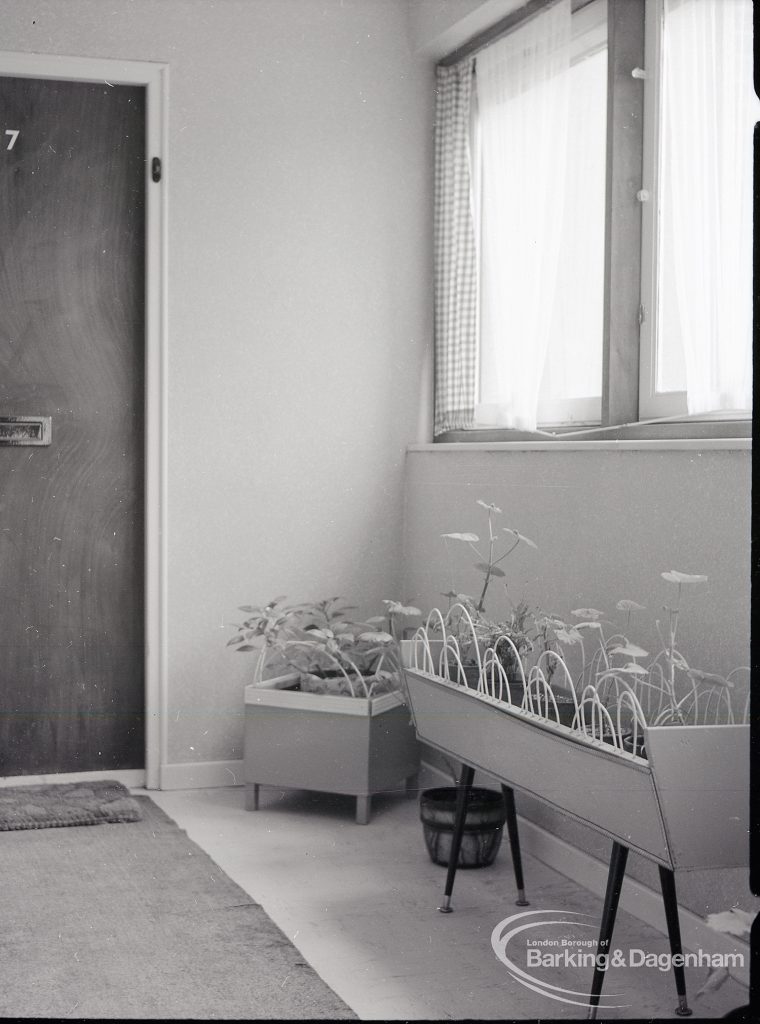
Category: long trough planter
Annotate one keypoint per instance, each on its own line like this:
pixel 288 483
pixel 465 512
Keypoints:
pixel 683 804
pixel 685 807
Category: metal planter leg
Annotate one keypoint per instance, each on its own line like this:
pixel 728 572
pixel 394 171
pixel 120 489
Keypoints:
pixel 611 899
pixel 514 845
pixel 668 886
pixel 363 809
pixel 456 839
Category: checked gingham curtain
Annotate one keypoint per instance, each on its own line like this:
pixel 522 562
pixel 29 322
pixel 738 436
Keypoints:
pixel 456 285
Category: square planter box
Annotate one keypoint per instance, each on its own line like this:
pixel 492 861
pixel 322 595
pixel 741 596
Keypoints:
pixel 349 745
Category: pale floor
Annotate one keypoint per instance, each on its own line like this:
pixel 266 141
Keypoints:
pixel 360 903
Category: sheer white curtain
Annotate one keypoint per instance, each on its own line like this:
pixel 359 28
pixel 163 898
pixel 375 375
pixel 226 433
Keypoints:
pixel 708 111
pixel 522 95
pixel 571 387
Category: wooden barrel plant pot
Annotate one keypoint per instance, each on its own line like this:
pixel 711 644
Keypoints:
pixel 483 828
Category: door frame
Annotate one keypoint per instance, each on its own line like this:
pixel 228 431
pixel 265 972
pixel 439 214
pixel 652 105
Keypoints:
pixel 154 77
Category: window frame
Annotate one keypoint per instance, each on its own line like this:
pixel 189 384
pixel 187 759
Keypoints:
pixel 633 41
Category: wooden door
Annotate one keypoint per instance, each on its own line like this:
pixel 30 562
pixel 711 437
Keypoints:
pixel 72 330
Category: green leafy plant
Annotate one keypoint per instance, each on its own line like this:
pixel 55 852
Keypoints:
pixel 667 690
pixel 266 629
pixel 522 629
pixel 490 565
pixel 395 612
pixel 468 620
pixel 331 652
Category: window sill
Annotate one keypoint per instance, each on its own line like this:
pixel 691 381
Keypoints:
pixel 724 436
pixel 716 434
pixel 737 444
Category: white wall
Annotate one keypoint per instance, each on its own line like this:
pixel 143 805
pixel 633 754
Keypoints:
pixel 299 266
pixel 436 27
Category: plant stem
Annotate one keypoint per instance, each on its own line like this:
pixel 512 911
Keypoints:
pixel 507 552
pixel 259 673
pixel 479 605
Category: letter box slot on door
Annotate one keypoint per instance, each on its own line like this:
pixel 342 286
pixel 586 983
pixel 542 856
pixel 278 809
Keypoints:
pixel 25 430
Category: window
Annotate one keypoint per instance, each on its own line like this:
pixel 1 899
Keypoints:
pixel 697 249
pixel 562 315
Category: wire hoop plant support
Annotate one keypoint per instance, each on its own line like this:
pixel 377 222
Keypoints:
pixel 601 723
pixel 539 697
pixel 447 645
pixel 610 704
pixel 551 660
pixel 493 667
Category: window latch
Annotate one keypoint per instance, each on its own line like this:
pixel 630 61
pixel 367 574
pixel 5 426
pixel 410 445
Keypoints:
pixel 638 73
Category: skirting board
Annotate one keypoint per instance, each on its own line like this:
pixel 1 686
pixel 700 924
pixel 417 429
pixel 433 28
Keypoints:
pixel 637 899
pixel 132 778
pixel 201 775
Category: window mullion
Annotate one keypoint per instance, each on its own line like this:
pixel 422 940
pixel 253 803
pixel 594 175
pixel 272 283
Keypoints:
pixel 650 219
pixel 622 272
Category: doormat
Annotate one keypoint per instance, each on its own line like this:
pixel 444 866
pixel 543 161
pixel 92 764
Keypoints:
pixel 139 923
pixel 69 803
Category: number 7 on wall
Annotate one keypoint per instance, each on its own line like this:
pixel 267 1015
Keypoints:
pixel 13 136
